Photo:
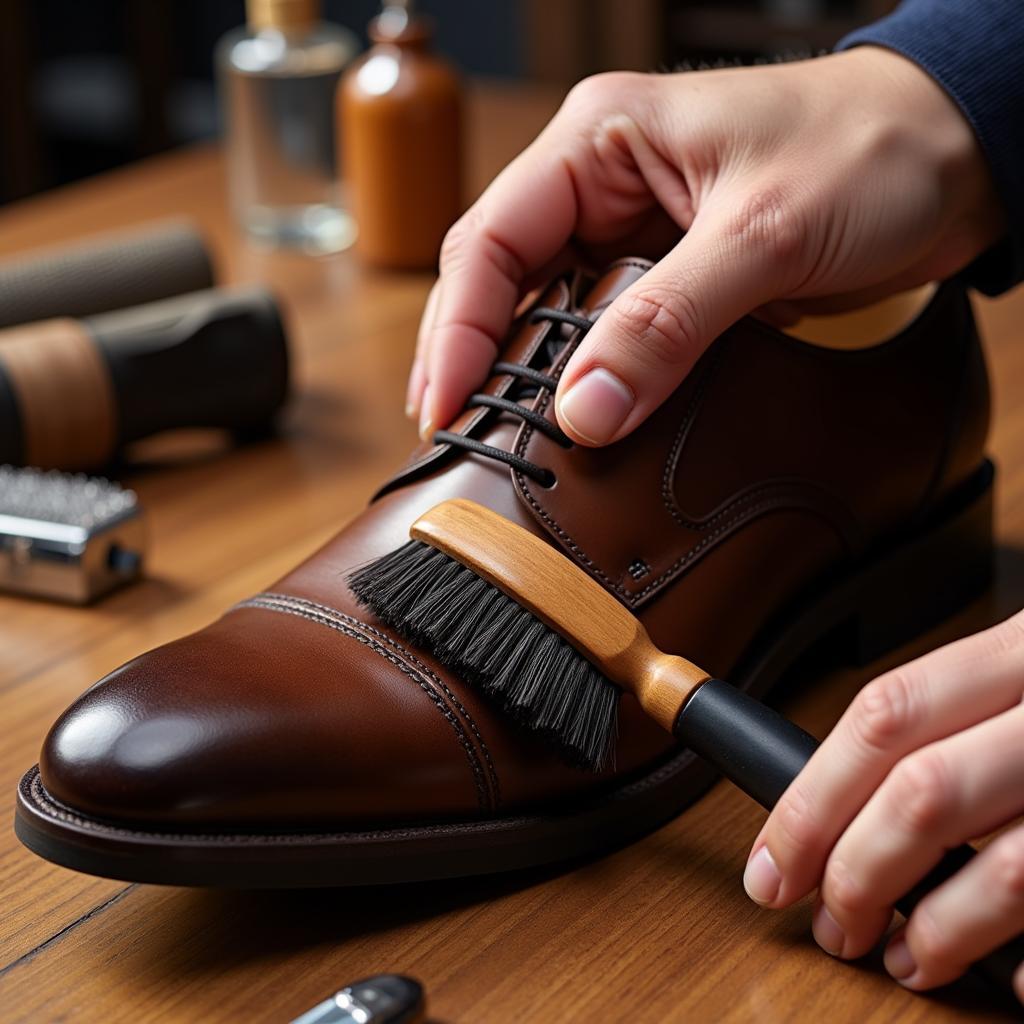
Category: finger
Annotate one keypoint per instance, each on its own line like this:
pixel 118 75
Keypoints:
pixel 649 338
pixel 592 173
pixel 520 223
pixel 972 914
pixel 949 689
pixel 418 372
pixel 938 797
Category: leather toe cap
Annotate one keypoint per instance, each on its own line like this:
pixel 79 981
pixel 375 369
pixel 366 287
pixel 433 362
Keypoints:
pixel 270 718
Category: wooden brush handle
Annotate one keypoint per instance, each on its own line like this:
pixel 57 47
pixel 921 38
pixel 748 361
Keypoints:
pixel 762 752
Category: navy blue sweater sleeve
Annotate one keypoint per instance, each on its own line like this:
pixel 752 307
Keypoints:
pixel 975 50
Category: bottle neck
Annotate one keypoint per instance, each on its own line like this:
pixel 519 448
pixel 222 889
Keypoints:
pixel 397 26
pixel 289 17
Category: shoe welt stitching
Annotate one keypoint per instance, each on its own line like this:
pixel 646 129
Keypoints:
pixel 36 795
pixel 410 656
pixel 436 699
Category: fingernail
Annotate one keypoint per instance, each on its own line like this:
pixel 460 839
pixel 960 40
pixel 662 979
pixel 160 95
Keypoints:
pixel 761 878
pixel 827 932
pixel 414 389
pixel 596 405
pixel 426 423
pixel 898 961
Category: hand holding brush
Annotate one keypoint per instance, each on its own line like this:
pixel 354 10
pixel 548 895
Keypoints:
pixel 527 626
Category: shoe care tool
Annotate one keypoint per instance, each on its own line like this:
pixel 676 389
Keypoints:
pixel 103 273
pixel 74 392
pixel 277 77
pixel 68 538
pixel 382 999
pixel 523 623
pixel 401 142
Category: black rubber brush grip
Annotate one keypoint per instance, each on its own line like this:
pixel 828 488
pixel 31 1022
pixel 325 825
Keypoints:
pixel 750 744
pixel 762 752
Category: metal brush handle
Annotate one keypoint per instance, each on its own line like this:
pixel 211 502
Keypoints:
pixel 762 752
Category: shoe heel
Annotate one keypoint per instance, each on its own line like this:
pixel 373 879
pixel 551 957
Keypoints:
pixel 930 577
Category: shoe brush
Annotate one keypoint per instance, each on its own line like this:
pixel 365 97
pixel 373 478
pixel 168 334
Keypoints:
pixel 67 537
pixel 527 626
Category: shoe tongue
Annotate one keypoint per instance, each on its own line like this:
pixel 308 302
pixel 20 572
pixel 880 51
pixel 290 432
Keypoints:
pixel 612 283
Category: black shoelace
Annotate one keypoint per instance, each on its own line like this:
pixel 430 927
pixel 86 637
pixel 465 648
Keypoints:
pixel 527 376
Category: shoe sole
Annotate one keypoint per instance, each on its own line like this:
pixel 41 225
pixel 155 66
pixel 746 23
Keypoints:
pixel 908 588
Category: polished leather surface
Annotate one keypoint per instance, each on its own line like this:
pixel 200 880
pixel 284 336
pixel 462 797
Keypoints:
pixel 774 465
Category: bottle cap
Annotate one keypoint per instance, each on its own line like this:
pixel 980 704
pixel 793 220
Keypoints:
pixel 281 14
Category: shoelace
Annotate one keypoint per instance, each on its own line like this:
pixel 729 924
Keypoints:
pixel 526 375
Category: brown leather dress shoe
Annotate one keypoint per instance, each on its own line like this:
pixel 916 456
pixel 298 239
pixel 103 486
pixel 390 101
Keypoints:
pixel 785 489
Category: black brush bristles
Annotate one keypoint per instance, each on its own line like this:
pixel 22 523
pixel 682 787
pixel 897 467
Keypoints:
pixel 531 671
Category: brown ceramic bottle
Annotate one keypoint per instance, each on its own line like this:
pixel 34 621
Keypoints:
pixel 399 107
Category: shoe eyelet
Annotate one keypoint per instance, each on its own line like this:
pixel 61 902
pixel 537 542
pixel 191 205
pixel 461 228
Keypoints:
pixel 549 480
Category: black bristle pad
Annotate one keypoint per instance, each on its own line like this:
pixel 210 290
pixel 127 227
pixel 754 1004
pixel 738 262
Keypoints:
pixel 532 672
pixel 104 273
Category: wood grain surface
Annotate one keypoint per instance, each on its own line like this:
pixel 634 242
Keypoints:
pixel 659 931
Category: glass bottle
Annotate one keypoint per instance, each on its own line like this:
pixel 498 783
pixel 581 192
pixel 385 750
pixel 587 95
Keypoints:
pixel 278 75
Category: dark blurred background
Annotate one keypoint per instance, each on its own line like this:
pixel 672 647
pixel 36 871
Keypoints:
pixel 87 85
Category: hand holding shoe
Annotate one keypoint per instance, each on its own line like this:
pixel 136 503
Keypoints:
pixel 805 187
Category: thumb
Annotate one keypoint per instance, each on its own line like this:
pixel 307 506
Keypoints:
pixel 648 339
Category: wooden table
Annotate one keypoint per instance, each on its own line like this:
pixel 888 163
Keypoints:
pixel 660 931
